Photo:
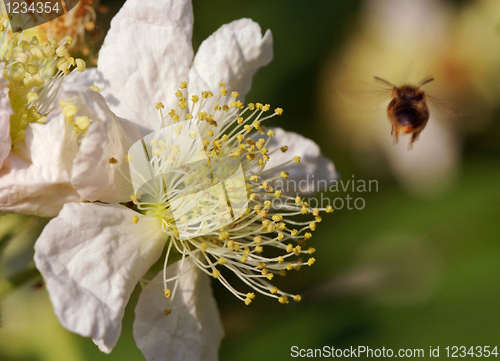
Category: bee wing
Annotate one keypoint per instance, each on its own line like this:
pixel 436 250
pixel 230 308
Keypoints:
pixel 446 111
pixel 365 95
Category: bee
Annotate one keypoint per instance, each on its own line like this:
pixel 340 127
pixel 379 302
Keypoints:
pixel 408 111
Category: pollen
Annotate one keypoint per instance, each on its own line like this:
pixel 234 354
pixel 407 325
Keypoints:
pixel 31 91
pixel 252 240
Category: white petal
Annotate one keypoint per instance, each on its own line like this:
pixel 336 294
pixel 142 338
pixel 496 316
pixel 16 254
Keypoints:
pixel 5 112
pixel 91 257
pixel 192 332
pixel 85 78
pixel 107 140
pixel 145 56
pixel 232 54
pixel 312 174
pixel 36 178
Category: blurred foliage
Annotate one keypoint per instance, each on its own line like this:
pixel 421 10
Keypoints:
pixel 404 272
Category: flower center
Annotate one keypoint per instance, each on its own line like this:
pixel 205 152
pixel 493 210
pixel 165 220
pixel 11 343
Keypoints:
pixel 205 179
pixel 35 73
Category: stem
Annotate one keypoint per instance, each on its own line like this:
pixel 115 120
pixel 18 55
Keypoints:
pixel 18 279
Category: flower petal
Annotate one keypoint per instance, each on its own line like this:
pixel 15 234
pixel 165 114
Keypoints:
pixel 86 78
pixel 232 54
pixel 36 177
pixel 5 112
pixel 100 171
pixel 133 82
pixel 192 331
pixel 91 257
pixel 312 174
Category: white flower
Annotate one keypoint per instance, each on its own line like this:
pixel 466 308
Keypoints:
pixel 37 146
pixel 93 254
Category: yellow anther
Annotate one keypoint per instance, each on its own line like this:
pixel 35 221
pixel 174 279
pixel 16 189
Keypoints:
pixel 203 246
pixel 243 259
pixel 257 239
pixel 266 107
pixel 94 87
pixel 280 236
pixel 284 174
pixel 270 276
pixel 175 149
pixel 215 273
pixel 312 225
pixel 296 159
pixel 274 290
pixel 297 200
pixel 254 178
pixel 195 98
pixel 193 134
pixel 294 232
pixel 277 217
pixel 283 300
pixel 188 116
pixel 235 95
pixel 157 152
pixel 223 236
pixel 82 122
pixel 307 235
pixel 248 301
pixel 135 219
pixel 289 248
pixel 329 209
pixel 251 106
pixel 32 97
pixel 80 65
pixel 297 298
pixel 259 106
pixel 281 260
pixel 133 198
pixel 160 105
pixel 167 311
pixel 222 261
pixel 270 133
pixel 277 194
pixel 304 210
pixel 311 261
pixel 278 111
pixel 265 271
pixel 261 265
pixel 289 266
pixel 168 293
pixel 259 249
pixel 32 68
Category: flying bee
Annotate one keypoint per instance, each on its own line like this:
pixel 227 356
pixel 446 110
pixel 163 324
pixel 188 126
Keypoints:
pixel 408 111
